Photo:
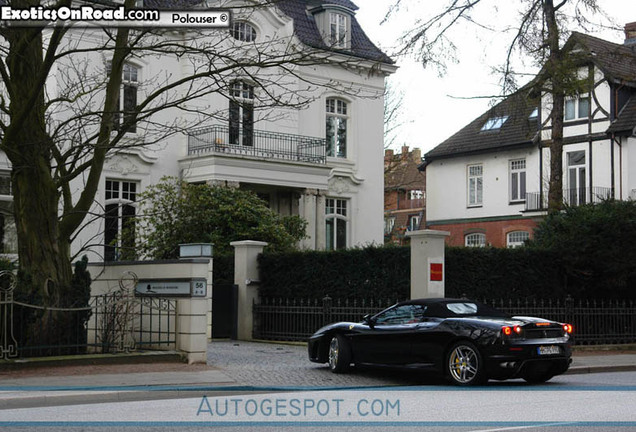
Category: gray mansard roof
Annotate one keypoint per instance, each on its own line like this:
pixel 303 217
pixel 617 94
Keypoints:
pixel 307 31
pixel 305 26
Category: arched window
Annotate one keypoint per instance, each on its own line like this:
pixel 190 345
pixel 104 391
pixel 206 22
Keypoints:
pixel 517 238
pixel 119 220
pixel 336 221
pixel 475 240
pixel 243 31
pixel 336 133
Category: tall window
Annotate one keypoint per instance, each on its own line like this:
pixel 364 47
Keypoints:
pixel 127 102
pixel 414 222
pixel 576 192
pixel 389 224
pixel 5 183
pixel 475 240
pixel 243 31
pixel 338 30
pixel 517 238
pixel 475 185
pixel 578 107
pixel 8 232
pixel 119 224
pixel 518 180
pixel 336 223
pixel 241 129
pixel 336 128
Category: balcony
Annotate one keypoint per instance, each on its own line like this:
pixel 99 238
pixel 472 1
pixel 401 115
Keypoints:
pixel 257 143
pixel 408 204
pixel 571 197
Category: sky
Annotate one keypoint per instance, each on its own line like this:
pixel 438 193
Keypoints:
pixel 435 107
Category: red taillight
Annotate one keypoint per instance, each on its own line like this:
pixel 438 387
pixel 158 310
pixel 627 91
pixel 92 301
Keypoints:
pixel 568 328
pixel 509 330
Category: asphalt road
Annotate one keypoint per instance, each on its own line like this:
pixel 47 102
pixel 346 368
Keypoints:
pixel 589 402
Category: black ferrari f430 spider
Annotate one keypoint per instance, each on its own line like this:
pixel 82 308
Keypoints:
pixel 465 340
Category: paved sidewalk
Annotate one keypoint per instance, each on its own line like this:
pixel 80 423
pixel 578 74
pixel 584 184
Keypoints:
pixel 233 367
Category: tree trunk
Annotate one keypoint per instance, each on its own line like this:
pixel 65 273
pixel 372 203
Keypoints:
pixel 555 193
pixel 555 71
pixel 44 257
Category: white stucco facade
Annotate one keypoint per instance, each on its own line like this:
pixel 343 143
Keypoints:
pixel 287 160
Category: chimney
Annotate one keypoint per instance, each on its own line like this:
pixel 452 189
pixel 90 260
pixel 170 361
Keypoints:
pixel 630 33
pixel 416 154
pixel 388 153
pixel 405 152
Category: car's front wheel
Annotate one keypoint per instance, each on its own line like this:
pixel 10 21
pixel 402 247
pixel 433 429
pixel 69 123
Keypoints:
pixel 464 364
pixel 339 354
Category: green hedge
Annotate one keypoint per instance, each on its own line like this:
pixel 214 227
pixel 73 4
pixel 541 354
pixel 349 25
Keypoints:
pixel 368 273
pixel 503 273
pixel 384 273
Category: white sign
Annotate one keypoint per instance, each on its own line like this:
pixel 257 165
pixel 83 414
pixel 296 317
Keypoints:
pixel 172 288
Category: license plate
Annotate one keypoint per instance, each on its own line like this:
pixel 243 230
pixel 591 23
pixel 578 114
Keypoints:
pixel 549 350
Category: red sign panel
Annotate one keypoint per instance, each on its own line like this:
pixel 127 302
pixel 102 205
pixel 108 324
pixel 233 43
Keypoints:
pixel 437 272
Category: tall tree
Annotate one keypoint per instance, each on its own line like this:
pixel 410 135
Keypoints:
pixel 61 113
pixel 539 34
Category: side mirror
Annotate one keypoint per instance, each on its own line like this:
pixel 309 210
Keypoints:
pixel 368 320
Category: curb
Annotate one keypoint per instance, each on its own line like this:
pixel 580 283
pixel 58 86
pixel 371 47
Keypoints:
pixel 576 370
pixel 93 359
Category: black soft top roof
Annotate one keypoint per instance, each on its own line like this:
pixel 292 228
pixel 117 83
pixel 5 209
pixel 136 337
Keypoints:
pixel 437 307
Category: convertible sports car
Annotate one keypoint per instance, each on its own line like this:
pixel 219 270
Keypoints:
pixel 465 340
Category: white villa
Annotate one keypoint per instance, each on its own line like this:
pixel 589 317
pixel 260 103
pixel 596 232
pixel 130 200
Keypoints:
pixel 318 155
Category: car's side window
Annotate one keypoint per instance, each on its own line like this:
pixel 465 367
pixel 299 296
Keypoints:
pixel 405 314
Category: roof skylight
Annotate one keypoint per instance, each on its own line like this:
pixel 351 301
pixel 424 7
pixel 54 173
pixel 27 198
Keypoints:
pixel 494 123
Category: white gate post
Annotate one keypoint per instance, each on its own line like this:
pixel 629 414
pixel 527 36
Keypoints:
pixel 428 272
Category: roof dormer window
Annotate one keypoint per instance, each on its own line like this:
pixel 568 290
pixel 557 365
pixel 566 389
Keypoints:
pixel 334 24
pixel 494 123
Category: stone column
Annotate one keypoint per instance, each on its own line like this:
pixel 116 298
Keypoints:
pixel 307 210
pixel 321 241
pixel 428 271
pixel 247 278
pixel 192 338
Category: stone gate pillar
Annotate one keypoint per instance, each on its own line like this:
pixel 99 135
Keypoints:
pixel 428 269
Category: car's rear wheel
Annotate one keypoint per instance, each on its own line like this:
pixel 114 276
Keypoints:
pixel 464 364
pixel 339 354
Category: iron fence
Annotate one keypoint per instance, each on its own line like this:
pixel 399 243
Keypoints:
pixel 297 319
pixel 595 322
pixel 257 143
pixel 113 322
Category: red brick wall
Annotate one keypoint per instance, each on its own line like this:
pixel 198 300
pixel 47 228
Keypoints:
pixel 495 231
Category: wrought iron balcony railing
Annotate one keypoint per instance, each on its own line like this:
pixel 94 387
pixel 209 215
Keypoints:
pixel 257 143
pixel 571 197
